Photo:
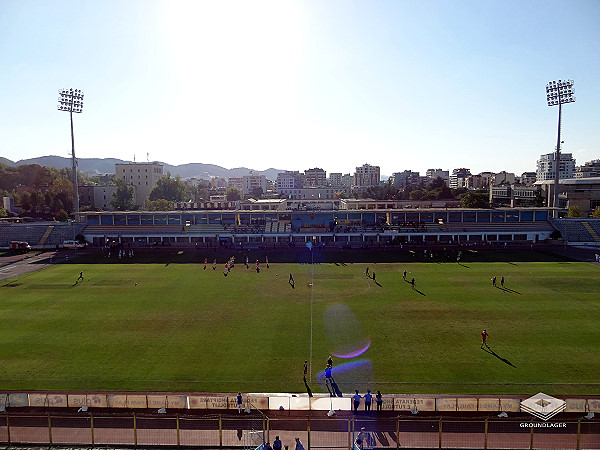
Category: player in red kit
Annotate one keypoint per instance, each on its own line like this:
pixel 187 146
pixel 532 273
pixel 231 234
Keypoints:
pixel 484 336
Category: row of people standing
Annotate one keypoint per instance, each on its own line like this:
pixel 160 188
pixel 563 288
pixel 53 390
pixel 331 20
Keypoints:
pixel 368 400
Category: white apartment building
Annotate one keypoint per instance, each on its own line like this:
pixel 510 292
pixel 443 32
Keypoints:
pixel 289 180
pixel 459 177
pixel 310 193
pixel 546 167
pixel 438 173
pixel 252 182
pixel 142 176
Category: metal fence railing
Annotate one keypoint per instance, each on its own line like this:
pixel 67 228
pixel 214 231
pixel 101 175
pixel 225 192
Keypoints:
pixel 251 430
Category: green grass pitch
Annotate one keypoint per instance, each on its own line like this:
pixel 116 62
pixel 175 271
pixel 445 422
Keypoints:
pixel 182 328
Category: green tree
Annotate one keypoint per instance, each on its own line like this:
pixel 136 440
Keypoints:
pixel 596 213
pixel 3 213
pixel 61 190
pixel 62 215
pixel 37 200
pixel 172 189
pixel 158 205
pixel 24 201
pixel 233 194
pixel 123 196
pixel 475 200
pixel 256 192
pixel 574 212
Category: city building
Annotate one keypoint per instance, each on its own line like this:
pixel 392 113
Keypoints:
pixel 503 178
pixel 315 177
pixel 347 181
pixel 8 203
pixel 438 173
pixel 252 184
pixel 475 182
pixel 581 192
pixel 96 197
pixel 309 193
pixel 142 176
pixel 459 177
pixel 527 178
pixel 236 182
pixel 218 182
pixel 401 180
pixel 590 169
pixel 366 175
pixel 335 179
pixel 546 166
pixel 289 180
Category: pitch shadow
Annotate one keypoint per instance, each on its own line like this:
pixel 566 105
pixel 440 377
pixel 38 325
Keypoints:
pixel 308 390
pixel 492 352
pixel 512 291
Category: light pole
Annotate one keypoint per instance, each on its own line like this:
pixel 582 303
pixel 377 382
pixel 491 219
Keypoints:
pixel 72 100
pixel 558 93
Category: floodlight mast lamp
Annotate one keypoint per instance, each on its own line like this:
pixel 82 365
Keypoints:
pixel 72 100
pixel 558 93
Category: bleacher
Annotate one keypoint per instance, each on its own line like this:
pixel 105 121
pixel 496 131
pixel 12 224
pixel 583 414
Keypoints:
pixel 39 233
pixel 497 227
pixel 575 230
pixel 278 227
pixel 131 230
pixel 212 228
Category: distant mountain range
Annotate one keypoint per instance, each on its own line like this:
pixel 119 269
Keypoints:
pixel 100 166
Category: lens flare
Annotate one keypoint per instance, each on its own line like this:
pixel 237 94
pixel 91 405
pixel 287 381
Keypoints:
pixel 363 347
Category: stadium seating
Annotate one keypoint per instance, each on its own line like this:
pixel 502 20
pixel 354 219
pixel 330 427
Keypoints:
pixel 575 230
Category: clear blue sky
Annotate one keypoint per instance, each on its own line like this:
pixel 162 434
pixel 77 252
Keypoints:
pixel 301 84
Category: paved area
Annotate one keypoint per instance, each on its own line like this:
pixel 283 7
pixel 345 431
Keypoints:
pixel 14 266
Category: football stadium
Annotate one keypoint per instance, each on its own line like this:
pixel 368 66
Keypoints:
pixel 225 329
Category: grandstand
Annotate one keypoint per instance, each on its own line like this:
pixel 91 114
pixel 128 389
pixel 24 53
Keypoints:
pixel 332 228
pixel 354 228
pixel 579 231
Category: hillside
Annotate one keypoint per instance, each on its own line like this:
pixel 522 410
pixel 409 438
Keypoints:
pixel 97 166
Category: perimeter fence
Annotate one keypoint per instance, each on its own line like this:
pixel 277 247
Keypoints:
pixel 251 430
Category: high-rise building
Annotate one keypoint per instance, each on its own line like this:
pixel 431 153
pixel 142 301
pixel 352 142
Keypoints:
pixel 366 175
pixel 142 176
pixel 315 177
pixel 546 166
pixel 459 177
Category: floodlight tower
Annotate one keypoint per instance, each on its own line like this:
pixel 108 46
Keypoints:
pixel 558 93
pixel 72 100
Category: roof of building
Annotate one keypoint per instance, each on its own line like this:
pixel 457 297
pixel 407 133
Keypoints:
pixel 591 180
